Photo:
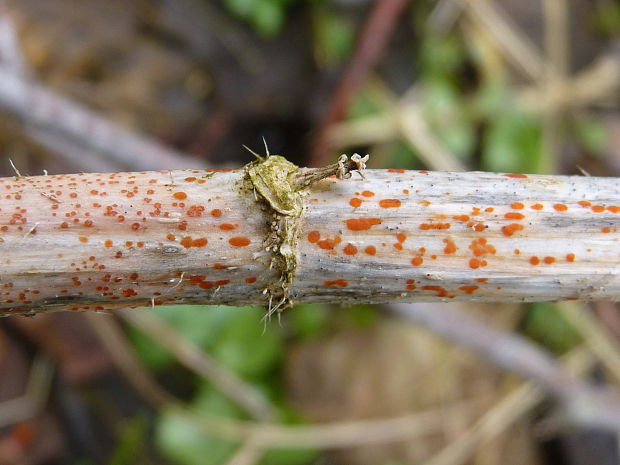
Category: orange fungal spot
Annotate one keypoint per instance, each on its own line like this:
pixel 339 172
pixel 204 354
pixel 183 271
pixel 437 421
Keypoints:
pixel 389 203
pixel 512 228
pixel 537 206
pixel 314 236
pixel 368 193
pixel 450 247
pixel 239 241
pixel 570 257
pixel 336 282
pixel 560 207
pixel 514 216
pixel 469 289
pixel 517 206
pixel 179 195
pixel 370 250
pixel 355 202
pixel 362 224
pixel 515 175
pixel 350 249
pixel 534 260
pixel 417 261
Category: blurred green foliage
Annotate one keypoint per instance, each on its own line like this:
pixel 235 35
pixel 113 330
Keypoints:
pixel 546 325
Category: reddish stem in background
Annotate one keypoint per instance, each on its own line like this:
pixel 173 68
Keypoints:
pixel 371 43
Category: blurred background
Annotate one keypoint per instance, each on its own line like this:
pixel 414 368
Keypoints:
pixel 507 85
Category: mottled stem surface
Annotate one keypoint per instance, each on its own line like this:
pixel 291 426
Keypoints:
pixel 101 241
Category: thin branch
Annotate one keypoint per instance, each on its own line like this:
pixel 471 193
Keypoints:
pixel 45 110
pixel 497 419
pixel 585 404
pixel 376 32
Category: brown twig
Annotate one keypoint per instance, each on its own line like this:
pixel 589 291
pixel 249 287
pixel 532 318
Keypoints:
pixel 370 46
pixel 584 404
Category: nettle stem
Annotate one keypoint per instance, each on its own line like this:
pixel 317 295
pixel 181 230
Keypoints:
pixel 102 241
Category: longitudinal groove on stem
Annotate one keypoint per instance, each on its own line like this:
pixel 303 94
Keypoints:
pixel 99 241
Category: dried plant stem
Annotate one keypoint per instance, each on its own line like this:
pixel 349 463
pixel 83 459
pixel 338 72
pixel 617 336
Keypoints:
pixel 59 121
pixel 100 241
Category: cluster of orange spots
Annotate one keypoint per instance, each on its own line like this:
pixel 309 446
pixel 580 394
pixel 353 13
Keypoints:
pixel 411 285
pixel 368 193
pixel 202 284
pixel 370 250
pixel 537 206
pixel 515 175
pixel 336 282
pixel 517 206
pixel 195 211
pixel 329 244
pixel 469 289
pixel 514 216
pixel 228 226
pixel 189 242
pixel 179 195
pixel 475 263
pixel 428 226
pixel 606 229
pixel 417 261
pixel 461 218
pixel 512 228
pixel 389 203
pixel 355 202
pixel 560 207
pixel 450 247
pixel 350 249
pixel 239 241
pixel 362 224
pixel 441 291
pixel 400 237
pixel 216 213
pixel 480 248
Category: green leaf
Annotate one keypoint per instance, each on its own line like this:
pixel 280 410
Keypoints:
pixel 590 132
pixel 131 441
pixel 333 36
pixel 245 346
pixel 268 17
pixel 309 320
pixel 447 115
pixel 199 324
pixel 513 143
pixel 545 324
pixel 183 441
